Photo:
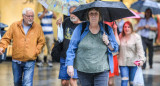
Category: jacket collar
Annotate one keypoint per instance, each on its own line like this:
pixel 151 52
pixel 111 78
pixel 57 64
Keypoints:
pixel 21 22
pixel 21 26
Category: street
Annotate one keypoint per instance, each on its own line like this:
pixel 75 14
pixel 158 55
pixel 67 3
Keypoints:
pixel 47 76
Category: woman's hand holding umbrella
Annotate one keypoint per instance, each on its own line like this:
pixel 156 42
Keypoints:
pixel 105 39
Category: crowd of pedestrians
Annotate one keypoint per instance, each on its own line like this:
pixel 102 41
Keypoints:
pixel 93 51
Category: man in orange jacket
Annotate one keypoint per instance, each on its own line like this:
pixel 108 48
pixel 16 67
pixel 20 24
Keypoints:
pixel 28 39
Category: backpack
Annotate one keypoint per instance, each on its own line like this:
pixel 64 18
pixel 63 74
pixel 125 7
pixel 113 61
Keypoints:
pixel 56 51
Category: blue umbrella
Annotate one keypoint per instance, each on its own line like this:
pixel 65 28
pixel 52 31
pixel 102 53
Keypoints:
pixel 3 25
pixel 141 6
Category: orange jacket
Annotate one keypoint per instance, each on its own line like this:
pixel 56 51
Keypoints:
pixel 24 47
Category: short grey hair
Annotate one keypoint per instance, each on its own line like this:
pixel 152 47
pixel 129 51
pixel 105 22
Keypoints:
pixel 74 6
pixel 27 9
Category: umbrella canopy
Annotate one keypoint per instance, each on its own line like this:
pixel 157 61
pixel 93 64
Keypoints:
pixel 109 11
pixel 3 25
pixel 141 6
pixel 60 6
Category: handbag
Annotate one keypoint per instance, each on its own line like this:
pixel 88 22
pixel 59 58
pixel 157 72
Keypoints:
pixel 57 48
pixel 56 51
pixel 138 78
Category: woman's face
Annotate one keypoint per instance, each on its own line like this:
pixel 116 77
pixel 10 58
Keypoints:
pixel 93 16
pixel 127 29
pixel 148 13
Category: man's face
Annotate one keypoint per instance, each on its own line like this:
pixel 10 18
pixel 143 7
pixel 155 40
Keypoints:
pixel 28 17
pixel 73 18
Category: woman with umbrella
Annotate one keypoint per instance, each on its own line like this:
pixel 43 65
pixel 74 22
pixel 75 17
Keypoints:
pixel 91 51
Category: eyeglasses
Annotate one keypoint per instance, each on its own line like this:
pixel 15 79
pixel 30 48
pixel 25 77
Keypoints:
pixel 29 16
pixel 94 14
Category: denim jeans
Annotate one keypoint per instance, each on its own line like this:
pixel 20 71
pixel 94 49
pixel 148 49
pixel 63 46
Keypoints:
pixel 128 72
pixel 63 71
pixel 93 79
pixel 23 73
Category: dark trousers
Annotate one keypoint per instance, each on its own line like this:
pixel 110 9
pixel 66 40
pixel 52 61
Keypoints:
pixel 93 79
pixel 148 43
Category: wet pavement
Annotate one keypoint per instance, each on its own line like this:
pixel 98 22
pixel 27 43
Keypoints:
pixel 47 76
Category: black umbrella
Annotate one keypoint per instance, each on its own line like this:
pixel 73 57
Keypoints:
pixel 109 11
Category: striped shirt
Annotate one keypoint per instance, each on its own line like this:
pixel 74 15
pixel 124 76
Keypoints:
pixel 46 22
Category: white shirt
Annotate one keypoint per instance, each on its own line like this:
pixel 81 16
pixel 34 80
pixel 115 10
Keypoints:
pixel 130 50
pixel 147 33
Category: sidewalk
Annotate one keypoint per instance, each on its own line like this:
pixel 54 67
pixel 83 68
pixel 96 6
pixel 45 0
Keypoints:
pixel 49 76
pixel 156 65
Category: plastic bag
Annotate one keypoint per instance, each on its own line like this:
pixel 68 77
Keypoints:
pixel 60 33
pixel 138 78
